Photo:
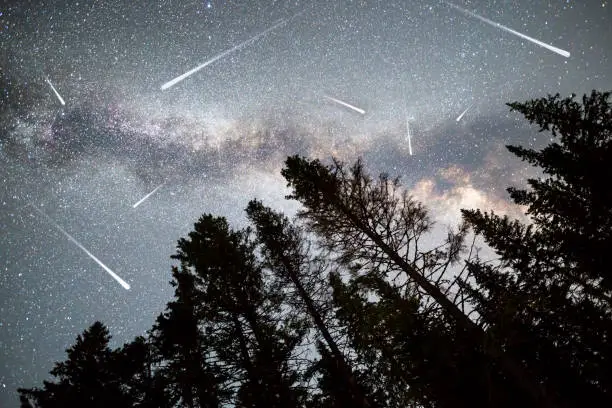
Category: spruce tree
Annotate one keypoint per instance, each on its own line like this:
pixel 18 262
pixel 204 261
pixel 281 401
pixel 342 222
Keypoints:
pixel 548 301
pixel 372 225
pixel 243 313
pixel 190 372
pixel 286 252
pixel 87 378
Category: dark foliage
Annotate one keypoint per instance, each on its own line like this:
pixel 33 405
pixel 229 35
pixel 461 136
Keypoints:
pixel 345 306
pixel 548 302
pixel 94 375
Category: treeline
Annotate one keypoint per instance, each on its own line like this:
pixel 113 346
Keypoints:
pixel 346 307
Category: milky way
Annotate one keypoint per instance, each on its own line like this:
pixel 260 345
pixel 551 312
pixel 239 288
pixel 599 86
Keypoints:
pixel 86 132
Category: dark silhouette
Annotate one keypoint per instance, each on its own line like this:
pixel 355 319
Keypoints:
pixel 549 299
pixel 252 339
pixel 344 308
pixel 94 375
pixel 287 254
pixel 191 377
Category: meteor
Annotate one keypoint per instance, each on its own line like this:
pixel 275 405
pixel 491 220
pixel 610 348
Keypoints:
pixel 408 132
pixel 559 51
pixel 463 113
pixel 56 93
pixel 123 283
pixel 223 54
pixel 147 196
pixel 348 105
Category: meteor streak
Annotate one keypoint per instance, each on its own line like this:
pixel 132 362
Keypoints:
pixel 559 51
pixel 223 54
pixel 463 113
pixel 408 132
pixel 56 93
pixel 147 196
pixel 123 283
pixel 348 105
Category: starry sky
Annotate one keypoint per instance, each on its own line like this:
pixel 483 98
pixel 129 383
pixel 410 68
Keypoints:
pixel 219 137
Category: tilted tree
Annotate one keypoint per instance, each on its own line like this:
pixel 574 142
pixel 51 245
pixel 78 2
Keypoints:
pixel 286 252
pixel 549 300
pixel 242 313
pixel 286 248
pixel 372 225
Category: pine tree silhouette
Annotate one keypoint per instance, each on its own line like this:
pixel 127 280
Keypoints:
pixel 191 376
pixel 372 223
pixel 285 250
pixel 86 378
pixel 243 312
pixel 549 300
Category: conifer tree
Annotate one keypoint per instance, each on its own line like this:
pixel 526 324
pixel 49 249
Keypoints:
pixel 286 252
pixel 549 299
pixel 373 224
pixel 242 313
pixel 189 370
pixel 86 378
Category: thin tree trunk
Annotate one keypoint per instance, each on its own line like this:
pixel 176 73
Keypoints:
pixel 522 377
pixel 244 351
pixel 318 320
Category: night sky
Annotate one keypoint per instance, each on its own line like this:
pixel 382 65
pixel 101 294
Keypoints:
pixel 219 137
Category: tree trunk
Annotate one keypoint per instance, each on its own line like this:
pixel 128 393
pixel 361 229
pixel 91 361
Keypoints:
pixel 521 376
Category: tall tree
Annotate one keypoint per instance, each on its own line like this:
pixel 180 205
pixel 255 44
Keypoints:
pixel 549 300
pixel 373 223
pixel 189 369
pixel 243 313
pixel 287 254
pixel 87 378
pixel 136 364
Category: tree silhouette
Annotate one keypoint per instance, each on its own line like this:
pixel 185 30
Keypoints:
pixel 192 376
pixel 371 223
pixel 549 299
pixel 286 252
pixel 87 378
pixel 243 312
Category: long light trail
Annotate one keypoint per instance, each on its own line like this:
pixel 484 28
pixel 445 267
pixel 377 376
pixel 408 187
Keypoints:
pixel 463 114
pixel 56 93
pixel 222 55
pixel 552 48
pixel 123 283
pixel 408 130
pixel 147 196
pixel 348 105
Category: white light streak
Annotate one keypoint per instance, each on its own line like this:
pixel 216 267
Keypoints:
pixel 348 105
pixel 408 132
pixel 56 93
pixel 219 56
pixel 123 283
pixel 147 196
pixel 554 49
pixel 463 113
